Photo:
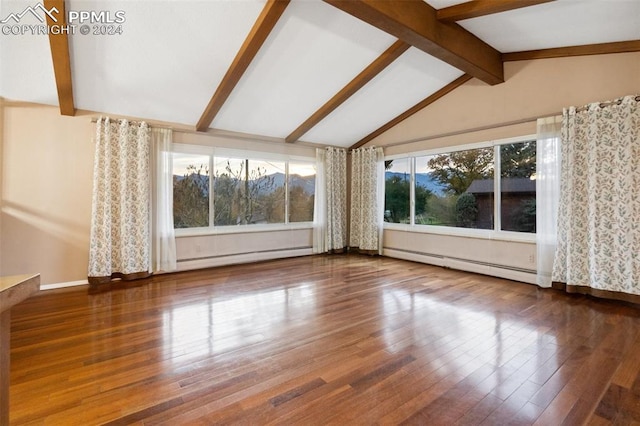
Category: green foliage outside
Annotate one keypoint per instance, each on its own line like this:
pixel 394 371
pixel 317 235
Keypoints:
pixel 440 211
pixel 525 218
pixel 518 160
pixel 396 199
pixel 466 210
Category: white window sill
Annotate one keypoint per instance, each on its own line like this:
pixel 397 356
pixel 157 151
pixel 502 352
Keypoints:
pixel 241 229
pixel 484 234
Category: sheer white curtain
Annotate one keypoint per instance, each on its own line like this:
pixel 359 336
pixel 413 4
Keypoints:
pixel 380 170
pixel 330 222
pixel 547 194
pixel 119 244
pixel 163 243
pixel 598 233
pixel 367 204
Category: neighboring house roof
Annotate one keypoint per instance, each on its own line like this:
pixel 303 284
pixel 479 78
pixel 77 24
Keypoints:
pixel 483 186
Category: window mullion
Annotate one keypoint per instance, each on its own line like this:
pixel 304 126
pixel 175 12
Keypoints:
pixel 211 192
pixel 412 190
pixel 286 192
pixel 497 196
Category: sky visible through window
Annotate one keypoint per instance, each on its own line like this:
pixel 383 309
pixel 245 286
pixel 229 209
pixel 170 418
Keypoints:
pixel 182 161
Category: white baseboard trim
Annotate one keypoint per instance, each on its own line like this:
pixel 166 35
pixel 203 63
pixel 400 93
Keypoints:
pixel 479 268
pixel 210 262
pixel 63 285
pixel 414 257
pixel 207 263
pixel 493 270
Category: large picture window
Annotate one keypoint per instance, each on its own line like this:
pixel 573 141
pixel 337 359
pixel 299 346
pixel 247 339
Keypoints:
pixel 488 187
pixel 211 190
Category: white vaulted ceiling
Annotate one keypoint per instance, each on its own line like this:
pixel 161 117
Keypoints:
pixel 296 71
pixel 409 79
pixel 559 23
pixel 173 55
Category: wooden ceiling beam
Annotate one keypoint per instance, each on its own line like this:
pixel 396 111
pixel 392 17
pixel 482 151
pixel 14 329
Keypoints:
pixel 417 107
pixel 267 20
pixel 59 42
pixel 383 61
pixel 415 22
pixel 584 50
pixel 477 8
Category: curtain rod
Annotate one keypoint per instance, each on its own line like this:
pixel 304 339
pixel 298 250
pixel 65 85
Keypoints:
pixel 606 104
pixel 95 120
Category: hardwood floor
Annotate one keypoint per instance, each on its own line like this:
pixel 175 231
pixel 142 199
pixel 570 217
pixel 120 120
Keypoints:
pixel 324 340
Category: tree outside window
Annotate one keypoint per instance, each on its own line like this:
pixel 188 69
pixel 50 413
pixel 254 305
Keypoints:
pixel 457 173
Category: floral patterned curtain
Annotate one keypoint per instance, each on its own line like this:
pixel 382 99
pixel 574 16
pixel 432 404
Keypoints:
pixel 336 184
pixel 367 201
pixel 598 248
pixel 119 246
pixel 330 210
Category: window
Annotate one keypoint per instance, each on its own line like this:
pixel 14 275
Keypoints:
pixel 459 188
pixel 397 191
pixel 245 191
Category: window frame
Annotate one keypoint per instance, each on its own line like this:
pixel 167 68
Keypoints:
pixel 488 234
pixel 212 153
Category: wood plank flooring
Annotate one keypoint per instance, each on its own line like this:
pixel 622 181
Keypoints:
pixel 341 339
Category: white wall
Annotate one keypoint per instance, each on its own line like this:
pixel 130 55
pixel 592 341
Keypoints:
pixel 47 168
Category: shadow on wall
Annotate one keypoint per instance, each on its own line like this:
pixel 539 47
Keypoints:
pixel 35 242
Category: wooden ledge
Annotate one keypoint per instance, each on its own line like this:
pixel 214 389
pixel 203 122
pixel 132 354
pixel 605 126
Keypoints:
pixel 16 288
pixel 13 290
